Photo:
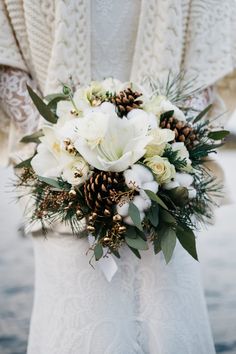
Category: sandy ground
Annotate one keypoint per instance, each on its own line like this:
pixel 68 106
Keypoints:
pixel 217 248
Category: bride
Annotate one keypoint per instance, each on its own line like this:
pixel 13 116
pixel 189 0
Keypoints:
pixel 148 307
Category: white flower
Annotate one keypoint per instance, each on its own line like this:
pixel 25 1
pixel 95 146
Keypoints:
pixel 186 180
pixel 64 109
pixel 50 158
pixel 162 168
pixel 141 114
pixel 160 104
pixel 182 180
pixel 53 161
pixel 110 143
pixel 160 137
pixel 112 85
pixel 182 154
pixel 138 177
pixel 76 171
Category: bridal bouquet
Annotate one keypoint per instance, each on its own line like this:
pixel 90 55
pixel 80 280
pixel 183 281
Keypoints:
pixel 122 165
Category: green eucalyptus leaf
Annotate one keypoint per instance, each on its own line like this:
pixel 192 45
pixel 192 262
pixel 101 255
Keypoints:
pixel 98 251
pixel 50 182
pixel 157 244
pixel 25 163
pixel 167 218
pixel 168 242
pixel 153 214
pixel 43 109
pixel 137 243
pixel 134 214
pixel 135 251
pixel 202 114
pixel 116 253
pixel 54 96
pixel 178 195
pixel 32 138
pixel 218 135
pixel 154 197
pixel 131 232
pixel 188 240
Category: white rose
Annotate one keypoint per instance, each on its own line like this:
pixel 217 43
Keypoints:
pixel 162 168
pixel 160 137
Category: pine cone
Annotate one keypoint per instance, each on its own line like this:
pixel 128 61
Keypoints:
pixel 99 188
pixel 184 132
pixel 126 100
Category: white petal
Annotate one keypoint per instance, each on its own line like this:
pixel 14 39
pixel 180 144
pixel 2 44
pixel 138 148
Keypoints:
pixel 192 193
pixel 184 179
pixel 132 179
pixel 143 172
pixel 171 185
pixel 122 209
pixel 151 186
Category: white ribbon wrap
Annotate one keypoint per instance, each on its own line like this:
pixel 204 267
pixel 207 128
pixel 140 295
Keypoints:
pixel 107 265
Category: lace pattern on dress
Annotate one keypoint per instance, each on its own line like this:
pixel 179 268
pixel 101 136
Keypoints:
pixel 15 100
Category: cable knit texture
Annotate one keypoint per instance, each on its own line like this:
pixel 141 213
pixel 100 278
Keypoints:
pixel 51 40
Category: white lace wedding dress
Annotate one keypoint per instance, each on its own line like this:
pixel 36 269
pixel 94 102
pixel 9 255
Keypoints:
pixel 148 307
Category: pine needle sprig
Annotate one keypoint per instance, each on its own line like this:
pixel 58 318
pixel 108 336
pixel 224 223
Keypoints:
pixel 174 159
pixel 175 88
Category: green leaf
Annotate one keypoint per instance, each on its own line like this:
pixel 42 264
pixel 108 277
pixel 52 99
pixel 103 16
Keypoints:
pixel 98 251
pixel 134 213
pixel 154 197
pixel 137 243
pixel 135 251
pixel 168 242
pixel 53 103
pixel 202 114
pixel 25 163
pixel 50 182
pixel 32 138
pixel 188 240
pixel 131 232
pixel 219 135
pixel 166 115
pixel 157 244
pixel 153 214
pixel 178 195
pixel 54 96
pixel 167 218
pixel 43 109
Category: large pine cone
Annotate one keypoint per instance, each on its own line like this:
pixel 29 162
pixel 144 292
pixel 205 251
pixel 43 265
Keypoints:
pixel 184 132
pixel 98 190
pixel 126 100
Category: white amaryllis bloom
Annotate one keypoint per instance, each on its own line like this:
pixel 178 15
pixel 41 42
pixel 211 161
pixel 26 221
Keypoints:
pixel 160 104
pixel 53 161
pixel 140 178
pixel 108 142
pixel 182 180
pixel 160 137
pixel 146 116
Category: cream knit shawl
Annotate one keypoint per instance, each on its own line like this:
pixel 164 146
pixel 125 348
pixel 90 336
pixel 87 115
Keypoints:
pixel 50 39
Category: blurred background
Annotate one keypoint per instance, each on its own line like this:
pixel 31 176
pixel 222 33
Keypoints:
pixel 217 248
